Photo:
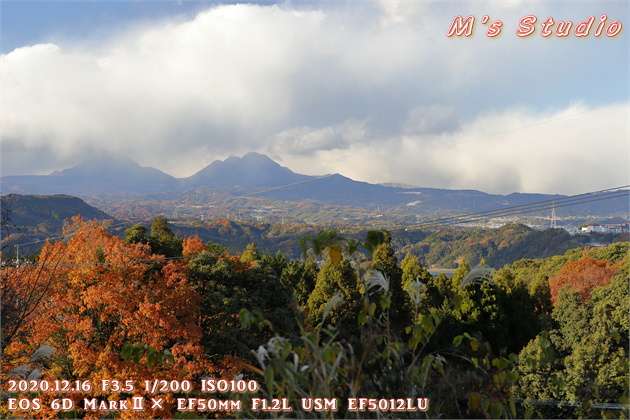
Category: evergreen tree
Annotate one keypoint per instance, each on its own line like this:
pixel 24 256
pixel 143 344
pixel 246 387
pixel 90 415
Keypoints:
pixel 384 260
pixel 459 275
pixel 160 230
pixel 481 310
pixel 541 293
pixel 136 234
pixel 215 248
pixel 227 286
pixel 250 254
pixel 301 278
pixel 438 292
pixel 330 280
pixel 586 357
pixel 412 270
pixel 277 262
pixel 162 240
pixel 442 284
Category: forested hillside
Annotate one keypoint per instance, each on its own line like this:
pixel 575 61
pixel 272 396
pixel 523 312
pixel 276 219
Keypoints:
pixel 31 219
pixel 347 321
pixel 27 220
pixel 444 248
pixel 46 213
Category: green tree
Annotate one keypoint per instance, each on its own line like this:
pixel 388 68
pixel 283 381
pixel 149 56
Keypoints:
pixel 412 270
pixel 585 358
pixel 277 262
pixel 521 316
pixel 136 234
pixel 301 278
pixel 227 286
pixel 415 280
pixel 340 281
pixel 384 260
pixel 541 293
pixel 442 285
pixel 462 269
pixel 160 230
pixel 162 240
pixel 250 254
pixel 215 248
pixel 481 310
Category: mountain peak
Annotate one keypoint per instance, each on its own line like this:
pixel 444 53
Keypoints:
pixel 256 155
pixel 250 169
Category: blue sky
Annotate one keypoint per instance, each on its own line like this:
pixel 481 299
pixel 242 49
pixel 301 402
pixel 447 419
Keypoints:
pixel 373 90
pixel 32 22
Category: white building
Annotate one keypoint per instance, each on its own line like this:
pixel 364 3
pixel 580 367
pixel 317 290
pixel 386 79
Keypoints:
pixel 594 227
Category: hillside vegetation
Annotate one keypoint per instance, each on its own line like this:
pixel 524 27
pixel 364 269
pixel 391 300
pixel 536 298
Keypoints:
pixel 27 220
pixel 46 213
pixel 444 248
pixel 36 217
pixel 542 338
pixel 447 247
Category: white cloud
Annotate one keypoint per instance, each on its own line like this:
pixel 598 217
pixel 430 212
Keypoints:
pixel 304 141
pixel 376 92
pixel 573 150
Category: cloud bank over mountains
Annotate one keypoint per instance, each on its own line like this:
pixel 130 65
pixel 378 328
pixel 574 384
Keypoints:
pixel 374 91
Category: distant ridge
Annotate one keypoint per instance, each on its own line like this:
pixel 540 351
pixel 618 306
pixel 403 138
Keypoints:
pixel 109 173
pixel 120 174
pixel 113 178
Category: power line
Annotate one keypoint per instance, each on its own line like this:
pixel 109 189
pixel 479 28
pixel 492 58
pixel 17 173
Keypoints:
pixel 106 263
pixel 481 216
pixel 588 197
pixel 67 235
pixel 606 194
pixel 326 176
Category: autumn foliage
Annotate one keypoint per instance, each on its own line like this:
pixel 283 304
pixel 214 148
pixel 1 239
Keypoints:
pixel 115 310
pixel 193 246
pixel 103 294
pixel 583 276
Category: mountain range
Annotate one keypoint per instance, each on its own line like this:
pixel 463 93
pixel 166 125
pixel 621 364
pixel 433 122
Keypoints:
pixel 257 175
pixel 120 174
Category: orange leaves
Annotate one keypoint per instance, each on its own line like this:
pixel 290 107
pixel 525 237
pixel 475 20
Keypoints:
pixel 583 276
pixel 236 265
pixel 193 246
pixel 101 294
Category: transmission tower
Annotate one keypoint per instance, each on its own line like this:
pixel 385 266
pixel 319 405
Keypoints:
pixel 553 215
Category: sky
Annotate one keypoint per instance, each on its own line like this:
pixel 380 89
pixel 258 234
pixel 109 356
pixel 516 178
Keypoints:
pixel 373 90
